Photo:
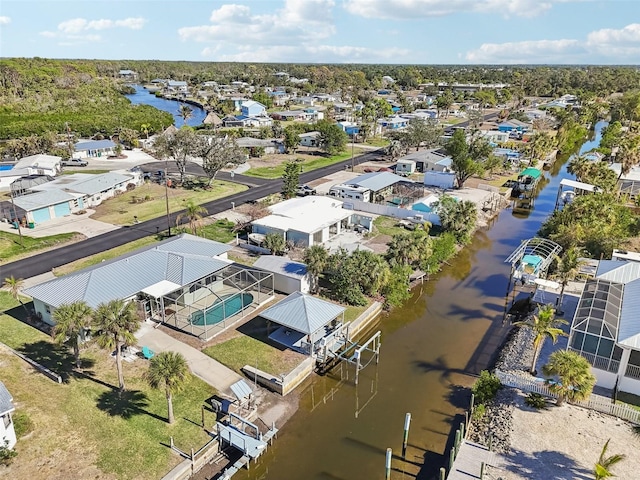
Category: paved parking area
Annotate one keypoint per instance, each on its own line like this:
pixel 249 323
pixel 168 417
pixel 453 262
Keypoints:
pixel 71 223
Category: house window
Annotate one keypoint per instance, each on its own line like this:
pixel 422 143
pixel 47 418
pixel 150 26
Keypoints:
pixel 317 237
pixel 47 309
pixel 6 420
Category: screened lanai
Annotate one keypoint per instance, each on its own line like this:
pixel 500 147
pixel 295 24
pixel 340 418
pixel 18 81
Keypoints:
pixel 213 303
pixel 595 326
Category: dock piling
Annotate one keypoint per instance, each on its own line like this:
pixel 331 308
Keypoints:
pixel 387 474
pixel 407 422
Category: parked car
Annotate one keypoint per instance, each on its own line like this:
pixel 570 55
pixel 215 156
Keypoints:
pixel 304 190
pixel 74 162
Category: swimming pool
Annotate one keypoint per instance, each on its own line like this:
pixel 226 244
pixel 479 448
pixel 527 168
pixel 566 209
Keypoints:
pixel 226 307
pixel 5 167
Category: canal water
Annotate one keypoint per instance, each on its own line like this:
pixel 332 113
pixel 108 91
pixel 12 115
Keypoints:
pixel 143 97
pixel 431 348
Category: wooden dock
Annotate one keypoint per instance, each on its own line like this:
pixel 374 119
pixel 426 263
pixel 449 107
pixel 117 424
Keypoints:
pixel 469 460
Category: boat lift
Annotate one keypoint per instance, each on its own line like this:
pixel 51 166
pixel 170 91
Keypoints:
pixel 352 353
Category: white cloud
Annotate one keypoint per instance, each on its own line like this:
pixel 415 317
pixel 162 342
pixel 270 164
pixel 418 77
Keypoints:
pixel 613 45
pixel 5 20
pixel 296 23
pixel 419 9
pixel 319 53
pixel 536 51
pixel 77 31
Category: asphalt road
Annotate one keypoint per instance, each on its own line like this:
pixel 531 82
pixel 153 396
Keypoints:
pixel 259 188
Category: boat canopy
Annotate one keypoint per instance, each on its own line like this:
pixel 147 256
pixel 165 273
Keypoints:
pixel 530 172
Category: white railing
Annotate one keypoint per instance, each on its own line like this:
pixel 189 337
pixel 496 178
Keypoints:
pixel 632 371
pixel 595 402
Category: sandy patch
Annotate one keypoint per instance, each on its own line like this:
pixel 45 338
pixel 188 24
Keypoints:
pixel 564 443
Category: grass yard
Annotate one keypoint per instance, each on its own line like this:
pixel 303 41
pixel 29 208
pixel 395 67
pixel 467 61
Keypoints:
pixel 308 164
pixel 220 231
pixel 83 428
pixel 387 226
pixel 377 141
pixel 244 350
pixel 10 249
pixel 352 312
pixel 121 209
pixel 106 255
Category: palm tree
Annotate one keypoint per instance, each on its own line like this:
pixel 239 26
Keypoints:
pixel 573 372
pixel 145 127
pixel 315 257
pixel 72 320
pixel 14 285
pixel 185 112
pixel 194 213
pixel 116 322
pixel 579 166
pixel 168 370
pixel 568 269
pixel 602 468
pixel 544 325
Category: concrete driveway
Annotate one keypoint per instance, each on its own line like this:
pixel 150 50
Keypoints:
pixel 201 365
pixel 71 223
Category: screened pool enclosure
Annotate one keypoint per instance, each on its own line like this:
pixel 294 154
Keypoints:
pixel 211 304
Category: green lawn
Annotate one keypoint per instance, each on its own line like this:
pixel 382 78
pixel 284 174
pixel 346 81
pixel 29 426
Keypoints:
pixel 220 231
pixel 148 201
pixel 387 226
pixel 244 350
pixel 106 255
pixel 84 423
pixel 11 250
pixel 377 141
pixel 307 165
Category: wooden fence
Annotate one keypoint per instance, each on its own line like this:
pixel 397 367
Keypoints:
pixel 594 402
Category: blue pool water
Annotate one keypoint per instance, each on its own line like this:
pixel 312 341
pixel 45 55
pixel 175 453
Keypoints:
pixel 5 167
pixel 226 307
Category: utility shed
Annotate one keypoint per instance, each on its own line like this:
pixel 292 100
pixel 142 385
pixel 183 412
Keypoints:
pixel 288 276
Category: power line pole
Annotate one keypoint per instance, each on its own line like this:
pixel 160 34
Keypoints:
pixel 166 196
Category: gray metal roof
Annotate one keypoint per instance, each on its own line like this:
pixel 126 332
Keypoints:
pixel 282 265
pixel 618 272
pixel 93 145
pixel 6 400
pixel 180 260
pixel 98 183
pixel 35 201
pixel 241 390
pixel 376 181
pixel 303 313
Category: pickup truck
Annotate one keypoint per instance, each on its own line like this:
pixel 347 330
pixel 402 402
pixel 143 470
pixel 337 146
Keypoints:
pixel 304 190
pixel 74 162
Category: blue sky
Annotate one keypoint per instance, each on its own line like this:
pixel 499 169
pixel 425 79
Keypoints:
pixel 326 31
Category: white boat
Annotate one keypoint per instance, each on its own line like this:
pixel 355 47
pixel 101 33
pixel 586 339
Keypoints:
pixel 256 238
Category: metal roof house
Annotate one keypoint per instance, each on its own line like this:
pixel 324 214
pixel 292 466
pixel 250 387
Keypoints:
pixel 66 195
pixel 7 430
pixel 305 221
pixel 40 164
pixel 94 148
pixel 606 326
pixel 186 281
pixel 307 323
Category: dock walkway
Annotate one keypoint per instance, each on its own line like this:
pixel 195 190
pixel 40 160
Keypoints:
pixel 468 462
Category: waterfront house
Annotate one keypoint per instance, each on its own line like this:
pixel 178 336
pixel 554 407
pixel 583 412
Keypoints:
pixel 629 183
pixel 269 146
pixel 432 159
pixel 606 326
pixel 185 280
pixel 128 75
pixel 7 431
pixel 305 221
pixel 372 187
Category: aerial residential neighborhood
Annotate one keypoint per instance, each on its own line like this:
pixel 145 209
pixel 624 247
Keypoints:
pixel 287 255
